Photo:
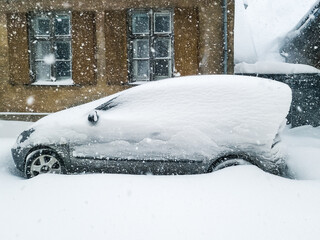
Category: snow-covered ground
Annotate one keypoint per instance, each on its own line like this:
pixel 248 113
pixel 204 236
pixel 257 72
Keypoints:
pixel 235 203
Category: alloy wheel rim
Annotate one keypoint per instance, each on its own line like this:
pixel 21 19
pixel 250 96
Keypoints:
pixel 45 164
pixel 231 162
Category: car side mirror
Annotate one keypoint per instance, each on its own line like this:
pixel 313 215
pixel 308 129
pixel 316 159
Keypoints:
pixel 93 117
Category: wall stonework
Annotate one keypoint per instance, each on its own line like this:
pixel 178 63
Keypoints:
pixel 84 63
pixel 186 41
pixel 211 40
pixel 211 37
pixel 230 33
pixel 18 48
pixel 116 47
pixel 20 98
pixel 4 64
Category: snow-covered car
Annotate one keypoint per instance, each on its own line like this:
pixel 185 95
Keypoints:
pixel 185 125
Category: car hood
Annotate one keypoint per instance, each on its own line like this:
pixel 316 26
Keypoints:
pixel 61 127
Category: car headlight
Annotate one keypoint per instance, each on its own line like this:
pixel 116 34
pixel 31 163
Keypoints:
pixel 24 135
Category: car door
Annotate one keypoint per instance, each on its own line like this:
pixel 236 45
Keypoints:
pixel 136 132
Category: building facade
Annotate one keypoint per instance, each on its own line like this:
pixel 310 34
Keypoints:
pixel 59 54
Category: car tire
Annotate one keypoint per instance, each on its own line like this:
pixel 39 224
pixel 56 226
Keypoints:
pixel 227 162
pixel 42 161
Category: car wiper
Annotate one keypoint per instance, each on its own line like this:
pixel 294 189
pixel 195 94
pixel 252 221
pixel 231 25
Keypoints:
pixel 108 105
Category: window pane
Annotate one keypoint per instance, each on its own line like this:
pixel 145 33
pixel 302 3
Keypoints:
pixel 141 70
pixel 141 48
pixel 42 49
pixel 162 47
pixel 42 26
pixel 42 71
pixel 63 70
pixel 162 23
pixel 63 50
pixel 162 68
pixel 62 25
pixel 140 23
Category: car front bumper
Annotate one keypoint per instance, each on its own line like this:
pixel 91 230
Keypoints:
pixel 18 155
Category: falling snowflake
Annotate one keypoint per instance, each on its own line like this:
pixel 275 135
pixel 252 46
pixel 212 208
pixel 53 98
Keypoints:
pixel 30 100
pixel 49 59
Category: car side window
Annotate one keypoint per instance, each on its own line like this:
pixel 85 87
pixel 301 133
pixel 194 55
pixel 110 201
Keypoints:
pixel 108 105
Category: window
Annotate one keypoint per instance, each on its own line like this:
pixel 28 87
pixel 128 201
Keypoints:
pixel 50 47
pixel 151 41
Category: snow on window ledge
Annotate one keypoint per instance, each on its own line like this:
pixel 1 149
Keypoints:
pixel 139 82
pixel 67 82
pixel 148 81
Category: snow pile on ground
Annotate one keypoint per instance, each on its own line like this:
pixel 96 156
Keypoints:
pixel 235 203
pixel 303 145
pixel 274 68
pixel 160 118
pixel 262 26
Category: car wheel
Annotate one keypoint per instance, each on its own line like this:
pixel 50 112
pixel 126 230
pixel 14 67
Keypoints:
pixel 226 162
pixel 43 161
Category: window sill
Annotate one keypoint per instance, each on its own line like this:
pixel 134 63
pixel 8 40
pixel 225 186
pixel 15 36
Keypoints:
pixel 139 82
pixel 148 81
pixel 68 82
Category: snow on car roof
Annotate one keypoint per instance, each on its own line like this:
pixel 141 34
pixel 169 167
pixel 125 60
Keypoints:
pixel 211 110
pixel 224 103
